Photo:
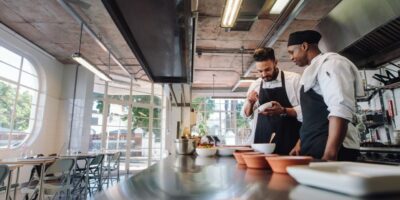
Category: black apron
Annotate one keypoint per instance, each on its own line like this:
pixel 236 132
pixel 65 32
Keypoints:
pixel 286 128
pixel 315 128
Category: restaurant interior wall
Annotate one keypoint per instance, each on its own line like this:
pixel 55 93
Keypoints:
pixel 50 71
pixel 82 109
pixel 375 104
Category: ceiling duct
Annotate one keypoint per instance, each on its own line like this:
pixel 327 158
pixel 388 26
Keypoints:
pixel 248 13
pixel 160 35
pixel 365 31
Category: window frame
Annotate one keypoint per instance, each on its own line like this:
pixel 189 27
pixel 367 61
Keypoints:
pixel 34 107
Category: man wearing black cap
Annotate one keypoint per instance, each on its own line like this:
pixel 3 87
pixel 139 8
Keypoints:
pixel 327 98
pixel 280 89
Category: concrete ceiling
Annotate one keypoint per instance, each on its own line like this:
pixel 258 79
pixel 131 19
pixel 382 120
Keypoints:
pixel 48 25
pixel 228 67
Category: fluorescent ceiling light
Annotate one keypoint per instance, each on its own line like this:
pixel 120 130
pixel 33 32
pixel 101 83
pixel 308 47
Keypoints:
pixel 82 61
pixel 231 12
pixel 278 6
pixel 247 79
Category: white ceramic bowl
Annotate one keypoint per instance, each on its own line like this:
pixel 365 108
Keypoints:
pixel 266 148
pixel 206 151
pixel 226 151
pixel 264 106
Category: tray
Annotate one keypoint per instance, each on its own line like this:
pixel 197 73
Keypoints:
pixel 357 179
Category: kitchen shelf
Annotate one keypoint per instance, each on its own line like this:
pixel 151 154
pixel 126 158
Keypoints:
pixel 392 86
pixel 374 124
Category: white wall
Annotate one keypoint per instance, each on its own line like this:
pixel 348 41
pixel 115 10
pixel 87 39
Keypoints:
pixel 82 109
pixel 50 73
pixel 55 101
pixel 375 104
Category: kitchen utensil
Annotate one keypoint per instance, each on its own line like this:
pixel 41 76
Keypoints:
pixel 185 146
pixel 206 152
pixel 257 161
pixel 264 147
pixel 238 156
pixel 272 137
pixel 280 163
pixel 352 178
pixel 226 151
pixel 264 106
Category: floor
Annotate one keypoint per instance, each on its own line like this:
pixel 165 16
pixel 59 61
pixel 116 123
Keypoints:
pixel 20 196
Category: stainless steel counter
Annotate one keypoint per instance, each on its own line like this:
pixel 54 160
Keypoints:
pixel 186 177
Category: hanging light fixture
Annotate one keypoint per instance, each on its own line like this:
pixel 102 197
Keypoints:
pixel 231 12
pixel 244 79
pixel 278 7
pixel 85 63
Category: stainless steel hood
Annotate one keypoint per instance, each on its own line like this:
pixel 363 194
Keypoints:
pixel 159 33
pixel 365 31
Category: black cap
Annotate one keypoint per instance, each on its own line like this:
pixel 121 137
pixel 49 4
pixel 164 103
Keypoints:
pixel 309 36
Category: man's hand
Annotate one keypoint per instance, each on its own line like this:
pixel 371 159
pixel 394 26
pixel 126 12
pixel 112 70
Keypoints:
pixel 252 97
pixel 296 149
pixel 276 109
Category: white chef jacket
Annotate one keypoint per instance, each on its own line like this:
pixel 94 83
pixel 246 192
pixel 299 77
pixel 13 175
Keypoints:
pixel 292 86
pixel 335 81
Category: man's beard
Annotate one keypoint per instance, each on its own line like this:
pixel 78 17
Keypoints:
pixel 274 76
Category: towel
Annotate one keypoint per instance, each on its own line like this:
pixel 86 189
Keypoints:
pixel 309 77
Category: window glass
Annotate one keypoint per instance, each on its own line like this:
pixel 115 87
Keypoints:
pixel 18 98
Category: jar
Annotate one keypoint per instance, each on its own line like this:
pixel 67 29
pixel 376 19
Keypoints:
pixel 396 137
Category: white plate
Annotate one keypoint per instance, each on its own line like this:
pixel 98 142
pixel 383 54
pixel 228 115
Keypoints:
pixel 358 179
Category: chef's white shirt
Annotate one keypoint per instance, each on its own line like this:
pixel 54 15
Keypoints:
pixel 292 86
pixel 335 83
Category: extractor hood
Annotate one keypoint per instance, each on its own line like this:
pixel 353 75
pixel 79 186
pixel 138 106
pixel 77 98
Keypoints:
pixel 365 31
pixel 159 33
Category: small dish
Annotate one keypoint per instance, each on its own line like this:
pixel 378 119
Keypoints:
pixel 257 161
pixel 205 152
pixel 280 163
pixel 266 148
pixel 226 151
pixel 264 106
pixel 239 158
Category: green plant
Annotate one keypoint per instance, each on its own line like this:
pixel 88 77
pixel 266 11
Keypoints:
pixel 202 128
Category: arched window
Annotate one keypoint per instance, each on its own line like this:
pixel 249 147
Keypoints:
pixel 19 88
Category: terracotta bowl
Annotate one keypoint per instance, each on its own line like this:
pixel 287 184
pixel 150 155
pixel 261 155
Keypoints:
pixel 257 161
pixel 244 149
pixel 239 158
pixel 278 164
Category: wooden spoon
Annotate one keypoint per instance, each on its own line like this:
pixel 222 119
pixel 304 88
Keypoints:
pixel 272 137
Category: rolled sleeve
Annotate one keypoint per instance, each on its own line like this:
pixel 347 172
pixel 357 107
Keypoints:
pixel 337 85
pixel 242 112
pixel 298 113
pixel 254 86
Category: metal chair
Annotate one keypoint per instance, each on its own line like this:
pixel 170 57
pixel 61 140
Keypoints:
pixel 114 167
pixel 95 172
pixel 56 181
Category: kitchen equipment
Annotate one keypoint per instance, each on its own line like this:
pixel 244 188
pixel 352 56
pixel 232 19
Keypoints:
pixel 264 106
pixel 226 151
pixel 238 156
pixel 264 147
pixel 272 137
pixel 205 152
pixel 358 179
pixel 257 161
pixel 280 163
pixel 185 146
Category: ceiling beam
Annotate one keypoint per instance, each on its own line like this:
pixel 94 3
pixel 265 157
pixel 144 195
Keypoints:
pixel 199 51
pixel 278 28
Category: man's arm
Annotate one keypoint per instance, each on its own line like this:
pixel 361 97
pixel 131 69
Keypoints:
pixel 337 85
pixel 252 98
pixel 337 133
